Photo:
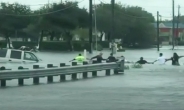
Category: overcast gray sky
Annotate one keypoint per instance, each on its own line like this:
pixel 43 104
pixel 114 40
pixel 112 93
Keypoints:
pixel 163 6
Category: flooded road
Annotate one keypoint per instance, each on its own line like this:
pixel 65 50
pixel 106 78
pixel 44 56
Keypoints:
pixel 132 55
pixel 152 87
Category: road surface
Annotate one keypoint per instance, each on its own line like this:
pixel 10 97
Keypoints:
pixel 153 87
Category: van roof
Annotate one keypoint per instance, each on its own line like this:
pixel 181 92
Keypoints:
pixel 14 49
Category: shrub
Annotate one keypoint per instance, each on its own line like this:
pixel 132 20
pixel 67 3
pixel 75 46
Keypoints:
pixel 53 45
pixel 58 45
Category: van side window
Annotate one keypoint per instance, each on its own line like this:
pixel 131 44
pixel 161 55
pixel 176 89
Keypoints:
pixel 15 54
pixel 3 52
pixel 29 56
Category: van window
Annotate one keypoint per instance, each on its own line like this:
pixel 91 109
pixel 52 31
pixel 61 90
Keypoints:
pixel 29 56
pixel 15 54
pixel 3 52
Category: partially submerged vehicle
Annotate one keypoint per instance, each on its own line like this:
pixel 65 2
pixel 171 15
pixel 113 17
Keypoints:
pixel 26 48
pixel 19 56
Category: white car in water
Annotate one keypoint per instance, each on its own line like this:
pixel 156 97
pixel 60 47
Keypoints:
pixel 17 56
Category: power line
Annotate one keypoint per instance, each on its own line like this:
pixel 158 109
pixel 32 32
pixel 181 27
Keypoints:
pixel 30 5
pixel 138 17
pixel 151 6
pixel 127 14
pixel 42 13
pixel 154 6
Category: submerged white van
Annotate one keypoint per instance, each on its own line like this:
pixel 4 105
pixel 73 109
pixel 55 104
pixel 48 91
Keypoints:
pixel 13 55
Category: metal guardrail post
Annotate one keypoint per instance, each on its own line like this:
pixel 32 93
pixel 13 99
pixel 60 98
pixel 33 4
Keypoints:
pixel 62 77
pixel 62 64
pixel 74 63
pixel 94 62
pixel 74 75
pixel 122 64
pixel 36 66
pixel 20 68
pixel 20 80
pixel 36 80
pixel 121 68
pixel 51 66
pixel 85 74
pixel 115 71
pixel 108 72
pixel 50 78
pixel 3 83
pixel 94 73
pixel 2 68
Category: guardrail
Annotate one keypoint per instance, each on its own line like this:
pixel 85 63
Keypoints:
pixel 62 71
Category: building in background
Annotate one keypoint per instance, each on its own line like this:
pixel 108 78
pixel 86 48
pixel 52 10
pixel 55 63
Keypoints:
pixel 166 32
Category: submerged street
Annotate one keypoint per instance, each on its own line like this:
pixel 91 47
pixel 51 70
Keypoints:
pixel 152 87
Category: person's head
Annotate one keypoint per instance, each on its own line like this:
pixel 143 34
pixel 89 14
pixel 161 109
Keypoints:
pixel 111 54
pixel 161 54
pixel 101 54
pixel 80 54
pixel 141 58
pixel 175 55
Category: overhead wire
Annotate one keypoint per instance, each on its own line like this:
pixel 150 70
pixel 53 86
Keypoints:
pixel 132 15
pixel 126 14
pixel 47 13
pixel 41 4
pixel 68 8
pixel 151 6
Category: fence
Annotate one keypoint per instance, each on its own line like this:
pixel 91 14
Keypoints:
pixel 62 71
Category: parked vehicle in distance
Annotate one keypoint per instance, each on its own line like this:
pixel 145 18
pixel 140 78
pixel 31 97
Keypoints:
pixel 13 55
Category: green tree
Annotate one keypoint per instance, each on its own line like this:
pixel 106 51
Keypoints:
pixel 83 33
pixel 103 19
pixel 140 31
pixel 130 23
pixel 65 21
pixel 11 19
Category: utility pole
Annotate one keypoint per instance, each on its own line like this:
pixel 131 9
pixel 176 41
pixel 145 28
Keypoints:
pixel 178 20
pixel 112 22
pixel 160 20
pixel 16 34
pixel 90 26
pixel 48 4
pixel 158 33
pixel 173 27
pixel 96 36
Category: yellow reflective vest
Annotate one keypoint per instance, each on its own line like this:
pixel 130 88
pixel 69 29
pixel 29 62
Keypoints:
pixel 80 59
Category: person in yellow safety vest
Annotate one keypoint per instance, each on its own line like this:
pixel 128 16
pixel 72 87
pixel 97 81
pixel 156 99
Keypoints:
pixel 79 59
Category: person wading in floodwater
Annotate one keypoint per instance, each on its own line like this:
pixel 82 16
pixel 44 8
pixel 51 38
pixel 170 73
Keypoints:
pixel 79 58
pixel 111 58
pixel 99 58
pixel 142 61
pixel 175 59
pixel 161 59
